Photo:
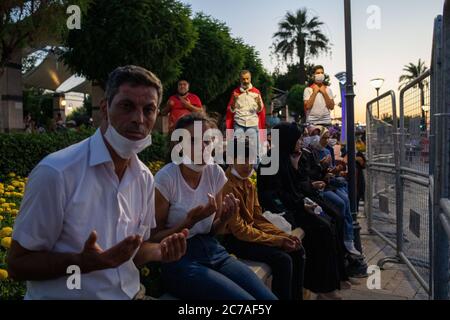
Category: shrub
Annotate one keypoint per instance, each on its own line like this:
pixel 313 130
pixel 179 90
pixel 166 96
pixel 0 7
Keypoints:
pixel 22 152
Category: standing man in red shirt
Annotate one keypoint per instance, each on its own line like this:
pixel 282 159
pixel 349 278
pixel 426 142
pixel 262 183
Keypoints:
pixel 181 104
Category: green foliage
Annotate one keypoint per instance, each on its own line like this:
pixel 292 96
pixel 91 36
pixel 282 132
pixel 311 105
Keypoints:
pixel 295 99
pixel 154 34
pixel 260 79
pixel 31 23
pixel 38 105
pixel 214 63
pixel 22 152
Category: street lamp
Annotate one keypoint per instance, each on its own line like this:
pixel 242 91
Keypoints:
pixel 377 83
pixel 426 109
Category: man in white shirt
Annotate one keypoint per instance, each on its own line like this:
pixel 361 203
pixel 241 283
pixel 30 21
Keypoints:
pixel 318 99
pixel 89 208
pixel 245 111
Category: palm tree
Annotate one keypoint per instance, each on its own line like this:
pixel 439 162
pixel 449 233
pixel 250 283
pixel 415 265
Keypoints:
pixel 412 72
pixel 300 37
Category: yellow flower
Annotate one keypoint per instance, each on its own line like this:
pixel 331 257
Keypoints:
pixel 3 274
pixel 10 188
pixel 2 200
pixel 145 271
pixel 7 194
pixel 6 232
pixel 1 217
pixel 11 175
pixel 5 205
pixel 12 205
pixel 6 242
pixel 14 211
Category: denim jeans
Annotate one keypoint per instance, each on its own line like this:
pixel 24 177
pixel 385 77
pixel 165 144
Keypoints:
pixel 251 132
pixel 208 272
pixel 287 268
pixel 340 200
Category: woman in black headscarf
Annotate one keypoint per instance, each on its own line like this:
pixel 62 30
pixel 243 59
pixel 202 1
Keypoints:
pixel 285 192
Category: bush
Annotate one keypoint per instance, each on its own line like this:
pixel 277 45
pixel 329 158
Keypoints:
pixel 22 152
pixel 295 99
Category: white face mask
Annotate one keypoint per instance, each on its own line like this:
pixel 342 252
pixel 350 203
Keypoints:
pixel 315 141
pixel 124 147
pixel 319 78
pixel 237 175
pixel 306 142
pixel 332 142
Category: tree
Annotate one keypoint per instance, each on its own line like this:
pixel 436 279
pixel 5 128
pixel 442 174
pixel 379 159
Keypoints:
pixel 28 23
pixel 155 34
pixel 412 72
pixel 300 37
pixel 260 78
pixel 216 59
pixel 295 100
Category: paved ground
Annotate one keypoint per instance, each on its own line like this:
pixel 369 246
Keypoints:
pixel 397 282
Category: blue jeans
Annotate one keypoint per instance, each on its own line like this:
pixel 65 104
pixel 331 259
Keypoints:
pixel 208 272
pixel 251 132
pixel 339 198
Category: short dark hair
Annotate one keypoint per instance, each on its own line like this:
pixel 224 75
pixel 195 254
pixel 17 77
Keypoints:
pixel 191 118
pixel 178 82
pixel 135 76
pixel 245 72
pixel 317 68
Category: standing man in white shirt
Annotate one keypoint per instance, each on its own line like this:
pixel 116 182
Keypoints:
pixel 89 208
pixel 245 111
pixel 318 99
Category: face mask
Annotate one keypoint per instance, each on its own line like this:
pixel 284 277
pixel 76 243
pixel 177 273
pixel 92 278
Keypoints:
pixel 319 78
pixel 315 141
pixel 124 147
pixel 237 175
pixel 332 142
pixel 306 142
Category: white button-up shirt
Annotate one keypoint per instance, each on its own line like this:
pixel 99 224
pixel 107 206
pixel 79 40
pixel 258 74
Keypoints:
pixel 246 109
pixel 69 194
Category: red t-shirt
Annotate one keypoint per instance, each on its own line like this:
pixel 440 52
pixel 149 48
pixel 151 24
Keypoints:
pixel 177 109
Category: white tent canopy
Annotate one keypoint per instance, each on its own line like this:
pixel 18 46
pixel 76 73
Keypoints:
pixel 49 74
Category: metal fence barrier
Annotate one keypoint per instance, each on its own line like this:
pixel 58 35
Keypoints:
pixel 407 199
pixel 381 139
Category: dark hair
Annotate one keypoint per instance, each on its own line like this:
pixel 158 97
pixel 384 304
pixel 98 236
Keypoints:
pixel 245 72
pixel 317 68
pixel 186 121
pixel 190 119
pixel 289 133
pixel 178 82
pixel 134 76
pixel 311 80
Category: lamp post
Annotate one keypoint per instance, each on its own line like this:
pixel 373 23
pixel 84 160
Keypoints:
pixel 377 83
pixel 426 109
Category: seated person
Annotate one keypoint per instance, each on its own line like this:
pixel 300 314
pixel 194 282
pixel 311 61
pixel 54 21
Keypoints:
pixel 253 237
pixel 191 196
pixel 334 187
pixel 324 269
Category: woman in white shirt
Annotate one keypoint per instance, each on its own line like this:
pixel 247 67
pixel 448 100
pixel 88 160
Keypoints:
pixel 190 196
